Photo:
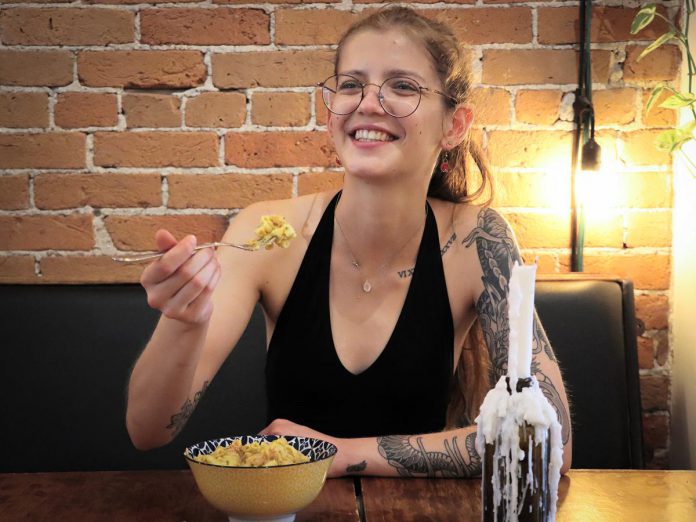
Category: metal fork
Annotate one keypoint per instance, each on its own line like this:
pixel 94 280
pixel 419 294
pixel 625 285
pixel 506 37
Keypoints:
pixel 154 255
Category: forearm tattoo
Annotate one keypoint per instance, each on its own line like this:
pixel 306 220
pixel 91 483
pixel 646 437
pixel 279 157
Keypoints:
pixel 497 253
pixel 409 271
pixel 411 460
pixel 178 420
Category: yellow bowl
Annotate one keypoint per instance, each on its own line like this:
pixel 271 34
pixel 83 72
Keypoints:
pixel 262 493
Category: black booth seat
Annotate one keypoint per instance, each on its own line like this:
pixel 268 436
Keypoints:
pixel 67 352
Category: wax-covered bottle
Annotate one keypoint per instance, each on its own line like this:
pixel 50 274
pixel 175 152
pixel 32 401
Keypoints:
pixel 515 475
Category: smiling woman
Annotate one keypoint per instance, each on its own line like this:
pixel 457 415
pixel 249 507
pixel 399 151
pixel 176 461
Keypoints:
pixel 375 333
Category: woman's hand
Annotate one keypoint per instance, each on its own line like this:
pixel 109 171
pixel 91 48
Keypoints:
pixel 341 460
pixel 180 284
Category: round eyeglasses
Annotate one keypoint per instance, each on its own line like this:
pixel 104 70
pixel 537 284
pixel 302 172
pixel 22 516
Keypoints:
pixel 399 96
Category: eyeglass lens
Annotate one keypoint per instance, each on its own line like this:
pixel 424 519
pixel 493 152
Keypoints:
pixel 398 96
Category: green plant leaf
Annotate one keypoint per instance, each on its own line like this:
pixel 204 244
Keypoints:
pixel 643 18
pixel 657 43
pixel 667 140
pixel 678 100
pixel 653 97
pixel 672 139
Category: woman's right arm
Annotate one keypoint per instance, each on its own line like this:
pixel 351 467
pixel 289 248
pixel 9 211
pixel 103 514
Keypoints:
pixel 206 300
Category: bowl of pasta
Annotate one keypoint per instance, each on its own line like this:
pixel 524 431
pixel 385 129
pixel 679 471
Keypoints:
pixel 260 477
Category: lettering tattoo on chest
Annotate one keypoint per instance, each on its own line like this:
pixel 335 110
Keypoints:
pixel 497 252
pixel 409 271
pixel 413 460
pixel 179 420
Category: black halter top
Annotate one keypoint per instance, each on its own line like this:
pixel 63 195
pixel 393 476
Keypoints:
pixel 405 391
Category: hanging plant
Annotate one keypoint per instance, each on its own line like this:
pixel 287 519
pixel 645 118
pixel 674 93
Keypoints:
pixel 671 140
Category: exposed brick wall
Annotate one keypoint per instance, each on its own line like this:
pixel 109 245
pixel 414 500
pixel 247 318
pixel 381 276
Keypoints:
pixel 121 116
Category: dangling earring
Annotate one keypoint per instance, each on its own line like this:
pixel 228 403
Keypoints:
pixel 338 161
pixel 444 164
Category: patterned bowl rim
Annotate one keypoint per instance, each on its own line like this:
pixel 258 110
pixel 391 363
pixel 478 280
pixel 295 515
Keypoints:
pixel 329 447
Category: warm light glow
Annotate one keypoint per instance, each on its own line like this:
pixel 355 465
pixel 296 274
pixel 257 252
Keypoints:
pixel 600 189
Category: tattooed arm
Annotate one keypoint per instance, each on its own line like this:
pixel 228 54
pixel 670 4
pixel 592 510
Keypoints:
pixel 497 251
pixel 447 454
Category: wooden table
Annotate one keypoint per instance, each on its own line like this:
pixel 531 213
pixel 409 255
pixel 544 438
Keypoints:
pixel 152 496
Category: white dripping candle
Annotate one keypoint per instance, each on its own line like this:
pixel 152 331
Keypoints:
pixel 521 319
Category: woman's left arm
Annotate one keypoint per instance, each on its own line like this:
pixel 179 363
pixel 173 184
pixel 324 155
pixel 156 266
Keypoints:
pixel 442 454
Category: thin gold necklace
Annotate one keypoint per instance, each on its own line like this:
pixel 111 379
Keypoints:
pixel 367 286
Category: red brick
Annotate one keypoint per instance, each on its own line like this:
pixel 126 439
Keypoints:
pixel 174 69
pixel 647 190
pixel 138 232
pixel 218 26
pixel 417 2
pixel 88 269
pixel 655 431
pixel 311 27
pixel 646 353
pixel 603 228
pixel 72 232
pixel 86 109
pixel 60 150
pixel 127 2
pixel 17 269
pixel 216 109
pixel 226 191
pixel 653 310
pixel 68 26
pixel 23 109
pixel 280 109
pixel 58 191
pixel 540 229
pixel 649 229
pixel 512 25
pixel 614 106
pixel 36 68
pixel 320 108
pixel 271 69
pixel 14 192
pixel 536 149
pixel 311 182
pixel 660 65
pixel 639 148
pixel 662 348
pixel 155 149
pixel 654 392
pixel 647 271
pixel 540 66
pixel 33 1
pixel 271 1
pixel 560 25
pixel 151 110
pixel 532 189
pixel 546 262
pixel 539 107
pixel 491 106
pixel 279 149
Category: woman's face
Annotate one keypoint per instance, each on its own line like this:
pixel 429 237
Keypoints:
pixel 402 147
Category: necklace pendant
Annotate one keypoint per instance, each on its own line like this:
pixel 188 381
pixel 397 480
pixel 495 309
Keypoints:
pixel 367 287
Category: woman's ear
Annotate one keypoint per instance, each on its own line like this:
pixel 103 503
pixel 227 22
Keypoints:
pixel 458 126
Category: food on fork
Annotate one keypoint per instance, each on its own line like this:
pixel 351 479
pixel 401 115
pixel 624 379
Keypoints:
pixel 254 454
pixel 273 230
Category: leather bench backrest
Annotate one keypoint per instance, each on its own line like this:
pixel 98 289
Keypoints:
pixel 67 352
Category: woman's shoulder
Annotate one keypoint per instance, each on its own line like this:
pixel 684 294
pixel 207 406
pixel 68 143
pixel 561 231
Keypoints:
pixel 466 218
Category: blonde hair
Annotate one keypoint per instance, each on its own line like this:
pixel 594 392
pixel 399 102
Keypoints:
pixel 471 380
